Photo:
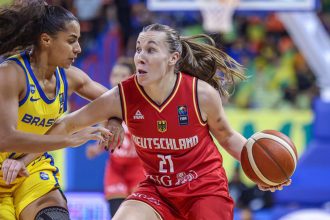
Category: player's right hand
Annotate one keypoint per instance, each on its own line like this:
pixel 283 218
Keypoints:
pixel 90 133
pixel 274 188
pixel 12 168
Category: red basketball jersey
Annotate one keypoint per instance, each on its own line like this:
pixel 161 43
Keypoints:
pixel 172 140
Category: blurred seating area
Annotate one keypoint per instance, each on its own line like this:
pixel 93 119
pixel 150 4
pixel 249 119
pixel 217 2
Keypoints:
pixel 279 76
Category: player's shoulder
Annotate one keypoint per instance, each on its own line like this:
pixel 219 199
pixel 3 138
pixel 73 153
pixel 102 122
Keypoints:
pixel 9 66
pixel 75 75
pixel 205 89
pixel 10 70
pixel 208 96
pixel 73 71
pixel 12 76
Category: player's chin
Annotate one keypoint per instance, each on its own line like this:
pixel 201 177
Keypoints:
pixel 66 65
pixel 142 79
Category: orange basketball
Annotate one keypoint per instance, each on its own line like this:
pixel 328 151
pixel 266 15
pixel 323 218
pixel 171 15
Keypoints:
pixel 269 158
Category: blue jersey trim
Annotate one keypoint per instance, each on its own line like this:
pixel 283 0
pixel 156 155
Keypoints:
pixel 65 83
pixel 41 92
pixel 20 103
pixel 53 164
pixel 11 155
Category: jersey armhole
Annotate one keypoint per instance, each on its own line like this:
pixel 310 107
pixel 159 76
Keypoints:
pixel 21 102
pixel 122 103
pixel 196 103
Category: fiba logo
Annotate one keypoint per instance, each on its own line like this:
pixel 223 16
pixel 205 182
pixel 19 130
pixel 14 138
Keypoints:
pixel 182 110
pixel 183 115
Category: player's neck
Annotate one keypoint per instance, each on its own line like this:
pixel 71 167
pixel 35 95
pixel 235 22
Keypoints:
pixel 41 66
pixel 160 91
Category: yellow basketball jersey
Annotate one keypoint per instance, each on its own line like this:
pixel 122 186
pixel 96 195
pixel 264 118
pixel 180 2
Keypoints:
pixel 37 113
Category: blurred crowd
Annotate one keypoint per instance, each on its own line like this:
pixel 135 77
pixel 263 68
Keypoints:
pixel 279 76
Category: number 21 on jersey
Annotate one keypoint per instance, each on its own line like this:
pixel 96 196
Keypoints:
pixel 165 163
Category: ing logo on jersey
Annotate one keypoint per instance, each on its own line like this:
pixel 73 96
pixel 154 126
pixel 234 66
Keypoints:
pixel 32 88
pixel 162 126
pixel 61 103
pixel 44 176
pixel 183 115
pixel 138 115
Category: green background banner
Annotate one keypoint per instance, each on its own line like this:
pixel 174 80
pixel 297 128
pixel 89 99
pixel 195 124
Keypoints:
pixel 295 124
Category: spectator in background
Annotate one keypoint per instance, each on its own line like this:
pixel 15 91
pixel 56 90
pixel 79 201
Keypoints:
pixel 255 199
pixel 88 13
pixel 124 14
pixel 237 187
pixel 248 199
pixel 124 169
pixel 140 17
pixel 306 82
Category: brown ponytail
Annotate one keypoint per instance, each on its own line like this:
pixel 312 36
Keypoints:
pixel 202 60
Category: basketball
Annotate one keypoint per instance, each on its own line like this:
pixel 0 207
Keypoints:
pixel 269 158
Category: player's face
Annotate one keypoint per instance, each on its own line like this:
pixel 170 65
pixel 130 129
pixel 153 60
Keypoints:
pixel 151 57
pixel 65 47
pixel 118 74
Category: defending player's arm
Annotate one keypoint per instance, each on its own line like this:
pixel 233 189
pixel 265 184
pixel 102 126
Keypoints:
pixel 80 83
pixel 106 106
pixel 12 90
pixel 212 111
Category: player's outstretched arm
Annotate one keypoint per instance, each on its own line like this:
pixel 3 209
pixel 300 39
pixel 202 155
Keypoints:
pixel 80 83
pixel 12 90
pixel 212 111
pixel 101 109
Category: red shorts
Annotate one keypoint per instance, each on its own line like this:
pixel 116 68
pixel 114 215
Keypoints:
pixel 204 198
pixel 120 179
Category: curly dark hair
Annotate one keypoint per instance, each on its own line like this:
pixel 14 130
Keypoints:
pixel 21 24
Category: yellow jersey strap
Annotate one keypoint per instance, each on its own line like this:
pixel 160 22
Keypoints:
pixel 22 60
pixel 19 60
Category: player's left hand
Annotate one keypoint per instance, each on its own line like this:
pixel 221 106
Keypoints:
pixel 12 168
pixel 115 127
pixel 274 188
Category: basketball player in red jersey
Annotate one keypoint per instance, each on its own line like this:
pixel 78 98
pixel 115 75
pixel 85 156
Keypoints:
pixel 171 107
pixel 123 170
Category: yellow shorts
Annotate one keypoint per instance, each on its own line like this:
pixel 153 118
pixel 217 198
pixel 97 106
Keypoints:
pixel 43 178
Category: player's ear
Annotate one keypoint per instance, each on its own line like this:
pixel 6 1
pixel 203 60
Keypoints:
pixel 174 58
pixel 45 40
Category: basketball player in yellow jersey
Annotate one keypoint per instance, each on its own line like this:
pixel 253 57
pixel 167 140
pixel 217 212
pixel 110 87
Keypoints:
pixel 34 88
